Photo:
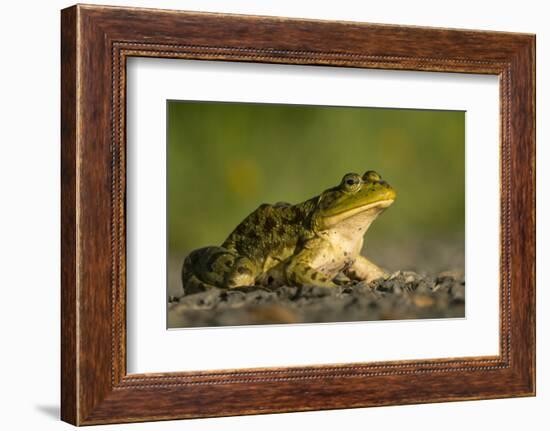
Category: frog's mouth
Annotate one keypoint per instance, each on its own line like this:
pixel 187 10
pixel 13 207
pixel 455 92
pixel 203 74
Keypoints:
pixel 371 209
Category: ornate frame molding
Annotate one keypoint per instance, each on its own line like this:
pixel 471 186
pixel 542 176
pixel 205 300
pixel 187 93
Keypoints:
pixel 96 41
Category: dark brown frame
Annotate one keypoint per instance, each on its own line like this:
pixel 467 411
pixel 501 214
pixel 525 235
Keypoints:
pixel 95 43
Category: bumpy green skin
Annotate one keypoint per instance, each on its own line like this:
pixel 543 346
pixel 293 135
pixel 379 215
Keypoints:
pixel 309 243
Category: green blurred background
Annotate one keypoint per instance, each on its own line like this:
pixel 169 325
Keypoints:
pixel 225 159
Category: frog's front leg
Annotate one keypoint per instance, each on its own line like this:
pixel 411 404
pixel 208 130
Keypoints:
pixel 364 270
pixel 300 269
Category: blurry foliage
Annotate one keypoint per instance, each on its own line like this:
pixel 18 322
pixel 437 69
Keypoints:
pixel 225 159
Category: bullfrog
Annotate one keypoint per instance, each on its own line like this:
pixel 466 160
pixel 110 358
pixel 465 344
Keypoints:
pixel 309 243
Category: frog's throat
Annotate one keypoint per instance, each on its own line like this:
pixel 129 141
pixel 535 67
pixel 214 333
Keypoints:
pixel 334 219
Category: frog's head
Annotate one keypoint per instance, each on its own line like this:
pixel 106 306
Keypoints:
pixel 357 197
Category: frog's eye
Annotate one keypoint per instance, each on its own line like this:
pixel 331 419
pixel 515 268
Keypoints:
pixel 351 182
pixel 371 176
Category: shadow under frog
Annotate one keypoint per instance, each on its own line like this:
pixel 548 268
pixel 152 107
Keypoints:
pixel 310 243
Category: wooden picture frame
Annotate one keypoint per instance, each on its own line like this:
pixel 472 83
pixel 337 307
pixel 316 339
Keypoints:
pixel 95 43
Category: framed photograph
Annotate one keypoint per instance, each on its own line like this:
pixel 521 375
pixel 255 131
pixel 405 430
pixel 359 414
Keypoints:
pixel 304 259
pixel 264 214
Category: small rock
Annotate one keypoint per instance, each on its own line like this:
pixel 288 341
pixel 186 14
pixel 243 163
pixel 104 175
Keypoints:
pixel 458 291
pixel 274 313
pixel 409 276
pixel 260 296
pixel 202 300
pixel 286 292
pixel 423 301
pixel 316 291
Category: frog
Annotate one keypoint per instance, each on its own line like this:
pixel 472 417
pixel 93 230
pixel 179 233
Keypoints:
pixel 316 242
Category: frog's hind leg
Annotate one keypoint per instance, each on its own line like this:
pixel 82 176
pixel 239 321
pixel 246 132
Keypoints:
pixel 209 267
pixel 300 272
pixel 206 267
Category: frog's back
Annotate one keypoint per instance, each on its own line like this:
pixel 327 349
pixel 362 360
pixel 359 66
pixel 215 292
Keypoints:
pixel 269 230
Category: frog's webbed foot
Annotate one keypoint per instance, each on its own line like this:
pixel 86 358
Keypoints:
pixel 341 279
pixel 301 273
pixel 215 267
pixel 364 270
pixel 275 277
pixel 242 274
pixel 193 284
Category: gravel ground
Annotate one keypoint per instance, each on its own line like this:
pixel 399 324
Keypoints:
pixel 404 295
